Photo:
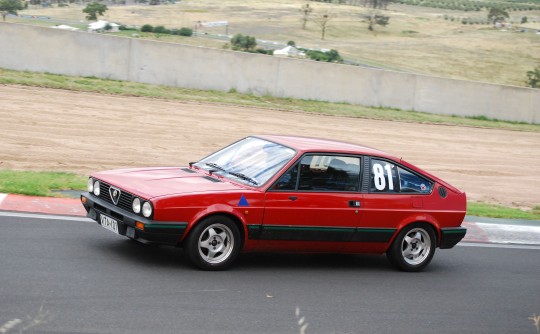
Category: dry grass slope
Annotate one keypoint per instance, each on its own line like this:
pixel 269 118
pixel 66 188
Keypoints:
pixel 417 39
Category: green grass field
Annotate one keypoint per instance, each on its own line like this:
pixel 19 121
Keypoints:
pixel 39 183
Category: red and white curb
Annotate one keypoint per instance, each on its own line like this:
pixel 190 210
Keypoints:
pixel 502 233
pixel 478 233
pixel 48 205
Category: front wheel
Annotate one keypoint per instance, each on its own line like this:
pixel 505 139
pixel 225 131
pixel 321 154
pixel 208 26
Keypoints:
pixel 413 248
pixel 214 243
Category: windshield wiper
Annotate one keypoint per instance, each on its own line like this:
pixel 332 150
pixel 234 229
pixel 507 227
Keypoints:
pixel 244 177
pixel 238 175
pixel 216 166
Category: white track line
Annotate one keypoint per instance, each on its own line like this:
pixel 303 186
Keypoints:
pixel 486 245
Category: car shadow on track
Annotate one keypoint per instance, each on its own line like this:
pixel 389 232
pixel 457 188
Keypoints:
pixel 164 256
pixel 284 261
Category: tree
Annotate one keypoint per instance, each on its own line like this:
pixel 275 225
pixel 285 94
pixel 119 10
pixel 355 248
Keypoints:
pixel 10 7
pixel 377 19
pixel 534 77
pixel 306 10
pixel 496 14
pixel 331 56
pixel 322 21
pixel 93 10
pixel 243 42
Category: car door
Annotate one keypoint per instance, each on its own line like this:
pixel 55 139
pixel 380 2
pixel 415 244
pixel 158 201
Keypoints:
pixel 391 195
pixel 313 206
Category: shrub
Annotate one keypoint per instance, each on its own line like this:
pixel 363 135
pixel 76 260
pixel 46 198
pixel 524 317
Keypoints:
pixel 265 52
pixel 161 30
pixel 147 28
pixel 534 78
pixel 244 43
pixel 185 32
pixel 330 56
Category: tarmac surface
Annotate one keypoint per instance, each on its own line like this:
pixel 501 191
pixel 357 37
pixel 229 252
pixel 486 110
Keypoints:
pixel 479 229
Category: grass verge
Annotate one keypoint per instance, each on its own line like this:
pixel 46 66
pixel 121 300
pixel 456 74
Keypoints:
pixel 39 183
pixel 45 184
pixel 125 88
pixel 499 211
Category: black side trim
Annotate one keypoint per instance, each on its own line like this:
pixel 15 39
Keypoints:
pixel 451 236
pixel 254 232
pixel 320 233
pixel 187 170
pixel 373 235
pixel 300 233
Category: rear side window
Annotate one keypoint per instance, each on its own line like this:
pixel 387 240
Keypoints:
pixel 387 177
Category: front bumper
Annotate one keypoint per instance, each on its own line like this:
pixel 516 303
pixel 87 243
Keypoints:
pixel 153 232
pixel 451 236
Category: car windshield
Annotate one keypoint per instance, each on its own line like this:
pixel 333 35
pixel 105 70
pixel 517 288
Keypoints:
pixel 251 160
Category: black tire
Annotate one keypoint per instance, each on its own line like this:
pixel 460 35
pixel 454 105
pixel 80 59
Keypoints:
pixel 213 244
pixel 413 248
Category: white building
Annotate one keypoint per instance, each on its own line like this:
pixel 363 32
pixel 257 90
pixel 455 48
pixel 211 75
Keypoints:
pixel 99 26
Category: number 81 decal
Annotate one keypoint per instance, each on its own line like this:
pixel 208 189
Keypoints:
pixel 379 176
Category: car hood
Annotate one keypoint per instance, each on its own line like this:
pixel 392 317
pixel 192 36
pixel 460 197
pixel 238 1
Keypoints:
pixel 149 183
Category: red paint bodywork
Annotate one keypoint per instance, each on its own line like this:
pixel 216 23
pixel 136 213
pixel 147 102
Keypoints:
pixel 180 196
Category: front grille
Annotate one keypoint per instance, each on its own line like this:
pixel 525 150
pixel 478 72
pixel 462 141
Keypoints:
pixel 125 201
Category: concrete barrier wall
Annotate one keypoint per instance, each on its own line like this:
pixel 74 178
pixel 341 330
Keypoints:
pixel 43 49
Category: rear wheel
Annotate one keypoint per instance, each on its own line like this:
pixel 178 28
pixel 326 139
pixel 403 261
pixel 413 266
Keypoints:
pixel 413 248
pixel 214 243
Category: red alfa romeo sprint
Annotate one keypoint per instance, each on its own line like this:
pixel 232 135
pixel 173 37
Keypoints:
pixel 286 194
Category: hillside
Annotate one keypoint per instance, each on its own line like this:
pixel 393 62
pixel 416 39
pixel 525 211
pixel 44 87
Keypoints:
pixel 420 40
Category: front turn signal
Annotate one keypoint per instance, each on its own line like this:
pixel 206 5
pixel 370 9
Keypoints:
pixel 139 226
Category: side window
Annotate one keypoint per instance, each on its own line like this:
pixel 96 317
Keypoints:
pixel 287 181
pixel 412 183
pixel 322 173
pixel 329 173
pixel 386 177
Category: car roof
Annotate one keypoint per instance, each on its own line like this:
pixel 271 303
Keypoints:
pixel 310 144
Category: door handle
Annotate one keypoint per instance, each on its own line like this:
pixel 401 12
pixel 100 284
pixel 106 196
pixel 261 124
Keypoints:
pixel 354 204
pixel 293 198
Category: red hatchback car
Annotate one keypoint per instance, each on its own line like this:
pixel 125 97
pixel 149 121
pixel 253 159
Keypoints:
pixel 286 194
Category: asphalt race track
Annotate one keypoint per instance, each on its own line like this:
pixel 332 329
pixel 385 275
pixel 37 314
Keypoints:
pixel 68 275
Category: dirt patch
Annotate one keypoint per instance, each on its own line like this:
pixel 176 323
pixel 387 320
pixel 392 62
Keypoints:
pixel 56 130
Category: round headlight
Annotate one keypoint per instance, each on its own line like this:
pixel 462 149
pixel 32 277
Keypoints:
pixel 90 185
pixel 96 188
pixel 136 205
pixel 147 209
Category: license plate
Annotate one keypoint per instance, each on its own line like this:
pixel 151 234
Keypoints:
pixel 109 223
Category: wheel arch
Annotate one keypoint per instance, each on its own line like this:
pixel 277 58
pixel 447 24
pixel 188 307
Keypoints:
pixel 427 222
pixel 240 224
